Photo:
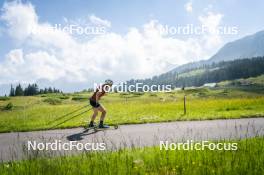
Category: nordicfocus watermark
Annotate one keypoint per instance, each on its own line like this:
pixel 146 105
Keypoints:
pixel 58 145
pixel 137 87
pixel 202 145
pixel 190 29
pixel 72 29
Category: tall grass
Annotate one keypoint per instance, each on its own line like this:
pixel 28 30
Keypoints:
pixel 248 159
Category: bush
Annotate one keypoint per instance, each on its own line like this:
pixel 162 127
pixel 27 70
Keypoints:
pixel 130 94
pixel 124 94
pixel 9 106
pixel 153 95
pixel 135 94
pixel 52 101
pixel 79 98
pixel 64 97
pixel 4 98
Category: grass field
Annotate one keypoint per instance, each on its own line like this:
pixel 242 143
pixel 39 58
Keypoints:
pixel 247 159
pixel 42 112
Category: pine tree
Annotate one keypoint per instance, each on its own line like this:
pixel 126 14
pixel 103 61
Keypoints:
pixel 41 91
pixel 45 91
pixel 19 91
pixel 35 90
pixel 12 91
pixel 50 90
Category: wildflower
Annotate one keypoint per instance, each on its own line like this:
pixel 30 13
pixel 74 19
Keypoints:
pixel 138 163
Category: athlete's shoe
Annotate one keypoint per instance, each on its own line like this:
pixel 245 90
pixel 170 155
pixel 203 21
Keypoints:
pixel 92 124
pixel 104 126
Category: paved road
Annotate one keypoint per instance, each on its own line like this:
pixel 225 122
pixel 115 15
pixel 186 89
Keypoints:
pixel 13 146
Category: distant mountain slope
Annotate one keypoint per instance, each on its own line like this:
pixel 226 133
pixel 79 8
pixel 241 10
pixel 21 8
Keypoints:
pixel 213 73
pixel 246 47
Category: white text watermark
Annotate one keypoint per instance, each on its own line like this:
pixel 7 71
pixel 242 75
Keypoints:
pixel 137 87
pixel 202 145
pixel 58 145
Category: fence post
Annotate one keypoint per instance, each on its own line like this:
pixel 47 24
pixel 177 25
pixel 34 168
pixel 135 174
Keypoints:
pixel 184 104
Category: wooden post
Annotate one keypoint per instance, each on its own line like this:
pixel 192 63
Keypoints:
pixel 184 104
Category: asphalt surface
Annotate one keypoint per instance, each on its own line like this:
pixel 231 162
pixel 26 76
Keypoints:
pixel 14 146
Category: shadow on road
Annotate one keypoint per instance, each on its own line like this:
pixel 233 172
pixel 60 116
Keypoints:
pixel 79 136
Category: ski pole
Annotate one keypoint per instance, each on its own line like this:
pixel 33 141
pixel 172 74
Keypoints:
pixel 70 118
pixel 67 114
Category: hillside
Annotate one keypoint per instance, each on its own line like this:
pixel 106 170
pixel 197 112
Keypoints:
pixel 249 46
pixel 252 81
pixel 213 73
pixel 246 47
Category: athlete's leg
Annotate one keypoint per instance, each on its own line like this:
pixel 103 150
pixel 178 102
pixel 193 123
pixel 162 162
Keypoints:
pixel 102 109
pixel 95 112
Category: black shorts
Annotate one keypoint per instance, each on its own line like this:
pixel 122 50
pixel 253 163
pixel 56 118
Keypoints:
pixel 94 104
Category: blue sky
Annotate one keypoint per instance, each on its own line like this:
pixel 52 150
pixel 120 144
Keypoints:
pixel 131 24
pixel 124 14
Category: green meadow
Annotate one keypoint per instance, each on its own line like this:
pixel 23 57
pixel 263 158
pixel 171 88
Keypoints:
pixel 55 110
pixel 247 159
pixel 52 111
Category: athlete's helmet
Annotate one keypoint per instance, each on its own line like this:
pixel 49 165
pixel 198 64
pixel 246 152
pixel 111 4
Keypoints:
pixel 108 81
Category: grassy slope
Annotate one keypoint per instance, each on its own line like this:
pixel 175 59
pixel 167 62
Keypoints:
pixel 248 159
pixel 32 113
pixel 255 81
pixel 192 73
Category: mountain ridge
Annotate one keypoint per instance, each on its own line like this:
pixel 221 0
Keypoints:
pixel 246 47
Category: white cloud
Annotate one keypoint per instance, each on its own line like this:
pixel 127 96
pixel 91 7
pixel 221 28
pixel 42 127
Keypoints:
pixel 15 56
pixel 20 67
pixel 188 7
pixel 20 18
pixel 212 21
pixel 59 57
pixel 98 21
